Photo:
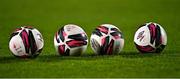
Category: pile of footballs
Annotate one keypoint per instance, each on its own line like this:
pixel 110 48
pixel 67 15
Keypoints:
pixel 72 40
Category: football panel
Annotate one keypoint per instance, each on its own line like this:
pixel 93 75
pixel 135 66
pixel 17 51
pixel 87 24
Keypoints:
pixel 97 32
pixel 104 45
pixel 95 46
pixel 79 37
pixel 16 46
pixel 38 39
pixel 62 34
pixel 32 43
pixel 61 49
pixel 76 43
pixel 158 36
pixel 72 29
pixel 153 31
pixel 110 47
pixel 145 49
pixel 142 36
pixel 118 45
pixel 103 29
pixel 25 38
pixel 163 36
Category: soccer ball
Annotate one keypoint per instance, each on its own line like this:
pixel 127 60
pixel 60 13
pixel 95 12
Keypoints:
pixel 70 40
pixel 26 42
pixel 107 39
pixel 150 38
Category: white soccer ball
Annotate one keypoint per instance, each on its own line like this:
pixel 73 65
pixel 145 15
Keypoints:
pixel 70 40
pixel 150 38
pixel 107 39
pixel 26 42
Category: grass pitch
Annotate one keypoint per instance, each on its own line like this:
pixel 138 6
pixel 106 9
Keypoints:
pixel 49 15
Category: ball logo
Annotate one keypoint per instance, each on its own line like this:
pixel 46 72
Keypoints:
pixel 14 46
pixel 70 28
pixel 95 44
pixel 18 49
pixel 140 36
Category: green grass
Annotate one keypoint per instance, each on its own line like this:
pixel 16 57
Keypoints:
pixel 49 15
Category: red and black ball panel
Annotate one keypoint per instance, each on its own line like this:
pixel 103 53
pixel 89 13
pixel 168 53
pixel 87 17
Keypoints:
pixel 99 30
pixel 116 33
pixel 145 49
pixel 155 34
pixel 77 40
pixel 106 47
pixel 29 42
pixel 63 51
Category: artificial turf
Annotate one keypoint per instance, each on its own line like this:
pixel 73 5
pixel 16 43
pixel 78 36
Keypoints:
pixel 50 15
